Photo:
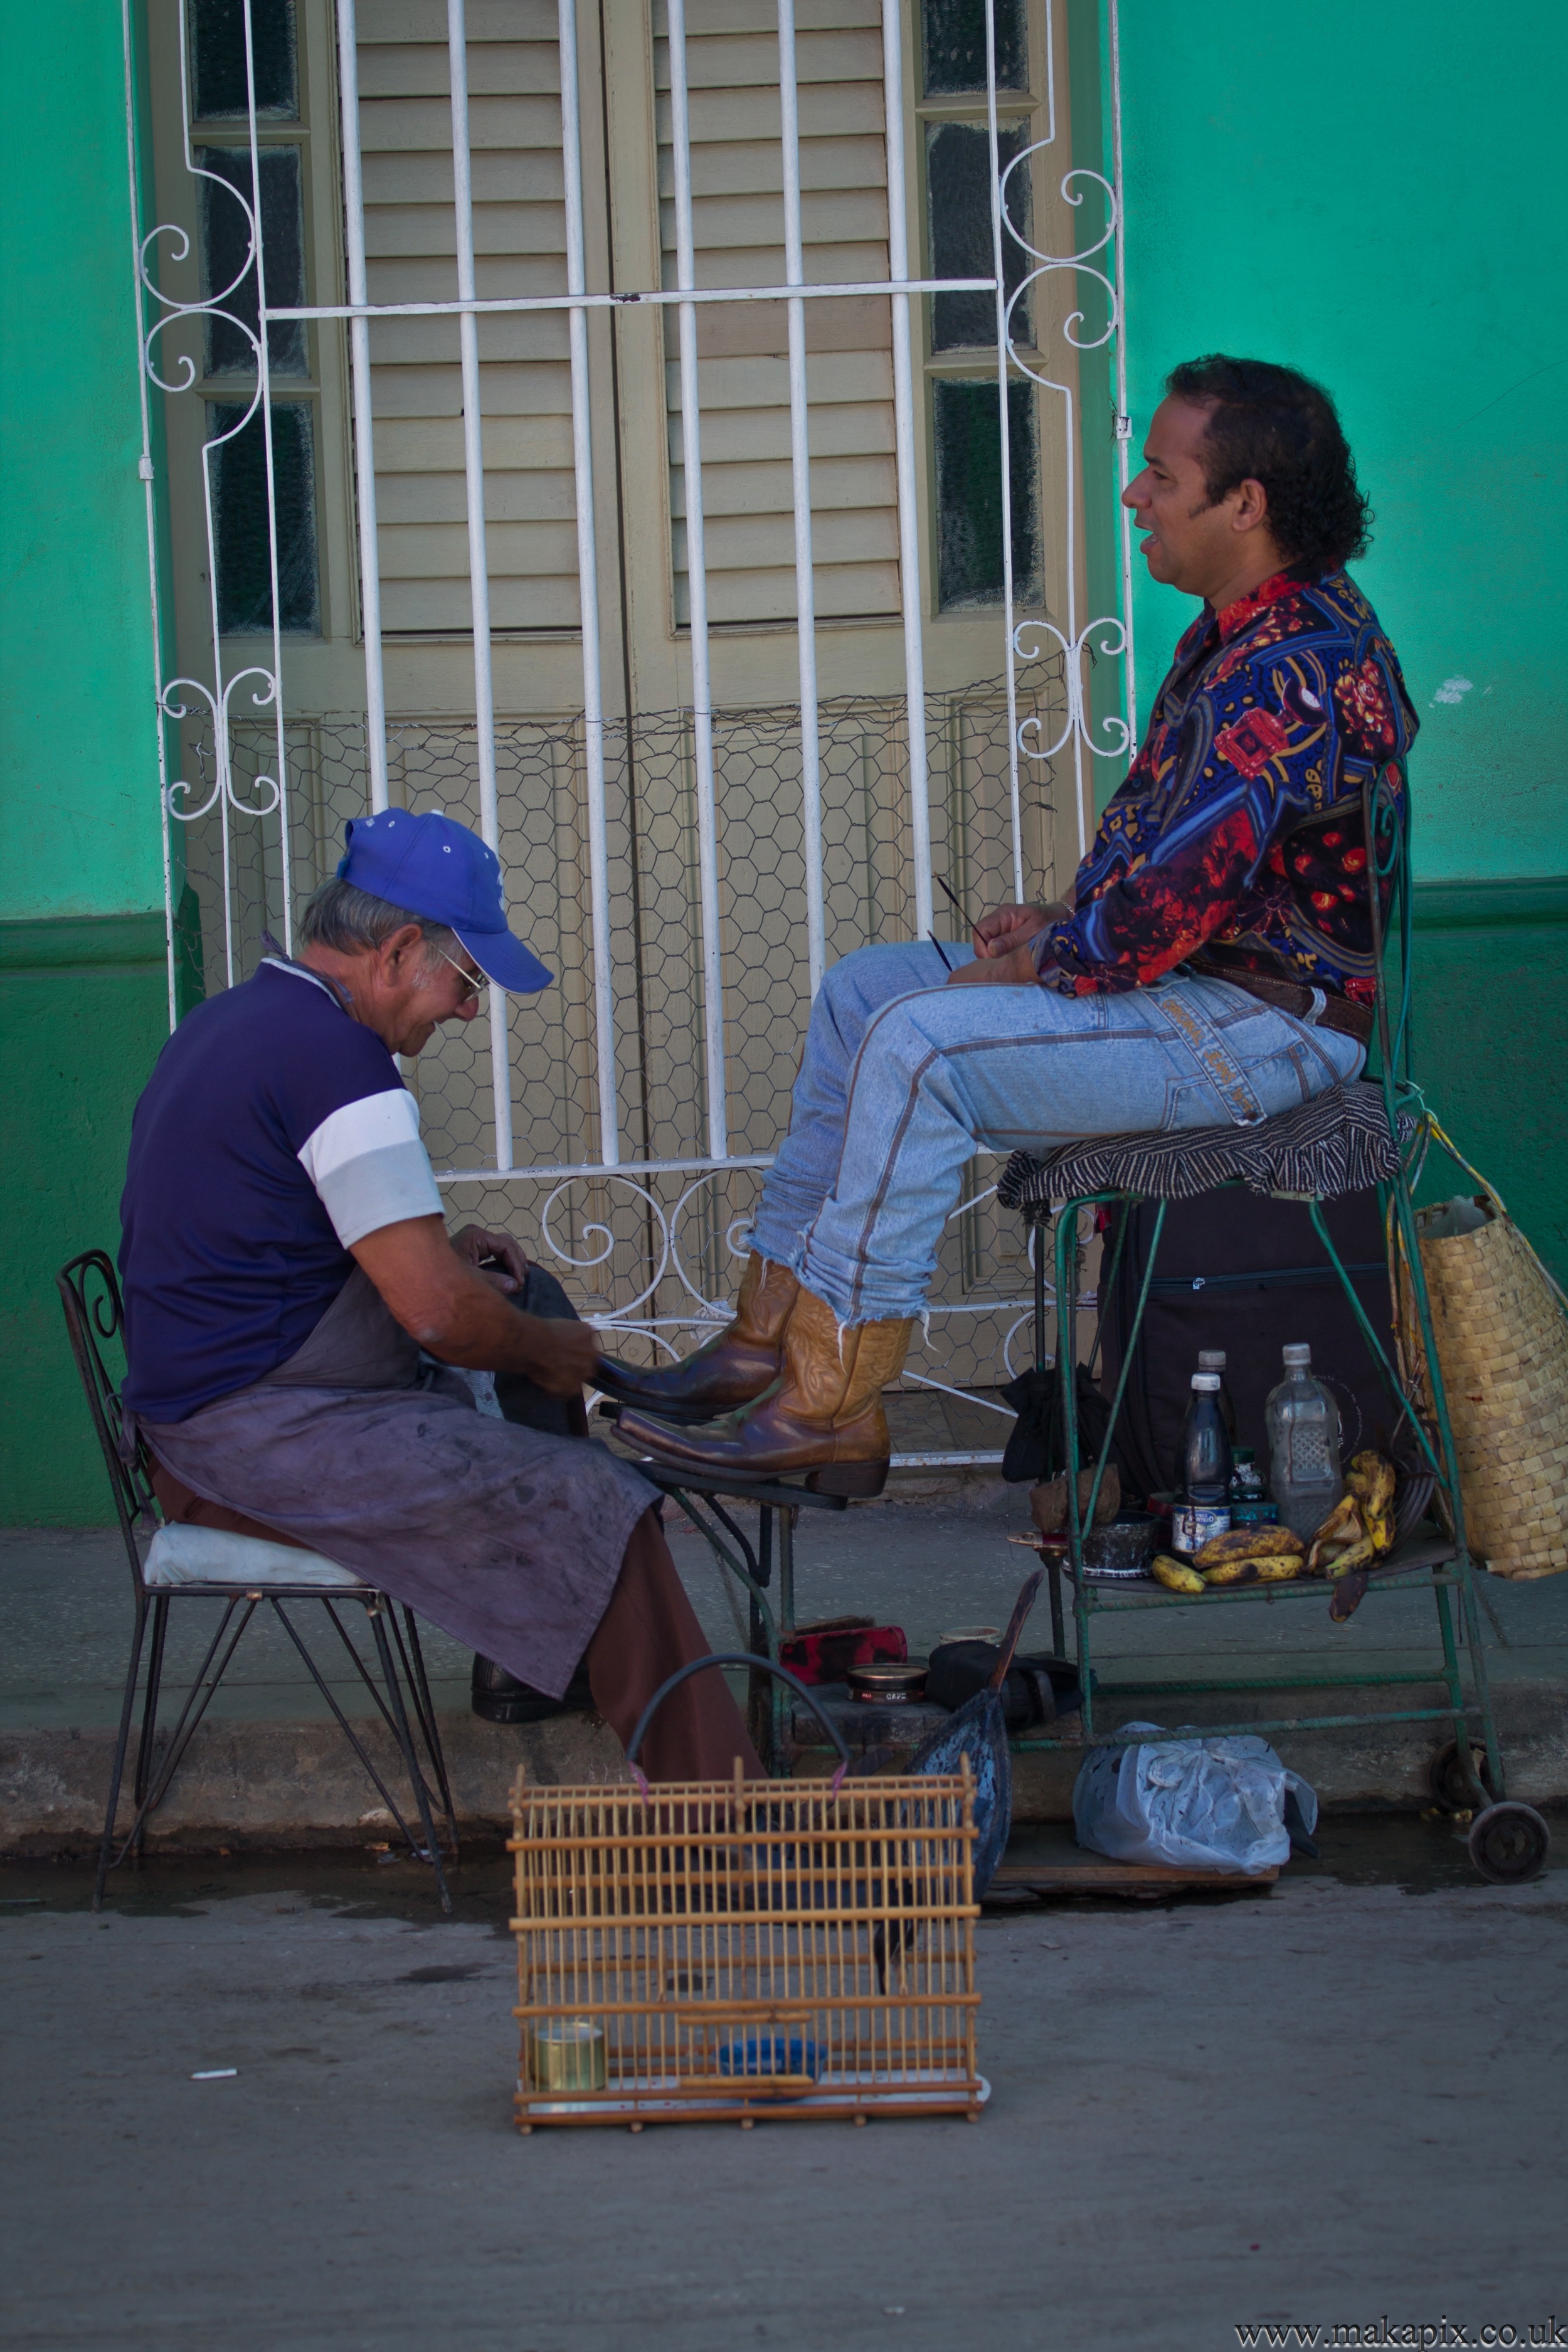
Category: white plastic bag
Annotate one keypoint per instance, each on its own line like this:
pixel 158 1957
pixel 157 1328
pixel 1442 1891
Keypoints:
pixel 1221 1803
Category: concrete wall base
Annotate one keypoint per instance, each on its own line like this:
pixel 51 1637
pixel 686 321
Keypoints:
pixel 265 1786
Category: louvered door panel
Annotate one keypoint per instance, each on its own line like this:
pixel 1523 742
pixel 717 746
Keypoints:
pixel 518 246
pixel 737 177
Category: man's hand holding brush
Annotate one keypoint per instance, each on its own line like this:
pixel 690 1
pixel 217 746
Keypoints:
pixel 1004 955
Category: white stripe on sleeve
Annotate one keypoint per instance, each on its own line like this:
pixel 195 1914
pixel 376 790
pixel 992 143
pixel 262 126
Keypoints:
pixel 369 1166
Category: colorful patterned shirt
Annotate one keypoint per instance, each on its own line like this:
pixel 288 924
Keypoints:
pixel 1238 829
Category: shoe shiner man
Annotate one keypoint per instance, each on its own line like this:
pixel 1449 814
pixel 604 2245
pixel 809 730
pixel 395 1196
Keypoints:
pixel 287 1274
pixel 1216 963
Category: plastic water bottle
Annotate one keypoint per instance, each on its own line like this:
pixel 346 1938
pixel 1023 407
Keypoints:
pixel 1204 1509
pixel 1303 1424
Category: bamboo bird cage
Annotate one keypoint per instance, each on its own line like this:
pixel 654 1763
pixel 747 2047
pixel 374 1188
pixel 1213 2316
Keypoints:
pixel 721 1949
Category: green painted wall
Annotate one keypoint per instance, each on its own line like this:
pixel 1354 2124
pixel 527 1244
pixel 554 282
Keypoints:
pixel 83 1012
pixel 1492 1043
pixel 83 996
pixel 79 832
pixel 1373 194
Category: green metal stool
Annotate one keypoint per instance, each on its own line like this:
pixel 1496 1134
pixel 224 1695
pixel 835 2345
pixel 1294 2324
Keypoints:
pixel 1508 1841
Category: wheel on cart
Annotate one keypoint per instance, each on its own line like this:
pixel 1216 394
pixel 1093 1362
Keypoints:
pixel 1508 1843
pixel 1450 1785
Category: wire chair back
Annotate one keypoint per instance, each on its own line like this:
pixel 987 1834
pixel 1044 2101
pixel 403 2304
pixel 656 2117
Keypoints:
pixel 95 1322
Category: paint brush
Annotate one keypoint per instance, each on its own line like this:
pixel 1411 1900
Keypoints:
pixel 950 895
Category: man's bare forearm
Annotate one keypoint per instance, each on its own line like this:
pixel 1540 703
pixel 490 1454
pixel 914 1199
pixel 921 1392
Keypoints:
pixel 456 1314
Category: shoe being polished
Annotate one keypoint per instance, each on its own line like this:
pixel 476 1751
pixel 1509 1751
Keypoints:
pixel 825 1417
pixel 732 1368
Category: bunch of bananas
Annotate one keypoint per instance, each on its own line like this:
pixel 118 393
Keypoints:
pixel 1360 1527
pixel 1244 1556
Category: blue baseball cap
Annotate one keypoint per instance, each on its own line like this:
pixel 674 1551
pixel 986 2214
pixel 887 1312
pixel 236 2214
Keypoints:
pixel 438 868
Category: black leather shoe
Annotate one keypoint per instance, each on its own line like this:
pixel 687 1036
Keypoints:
pixel 501 1697
pixel 734 1368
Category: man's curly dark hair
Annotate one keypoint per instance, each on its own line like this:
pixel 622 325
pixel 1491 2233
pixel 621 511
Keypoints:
pixel 1270 424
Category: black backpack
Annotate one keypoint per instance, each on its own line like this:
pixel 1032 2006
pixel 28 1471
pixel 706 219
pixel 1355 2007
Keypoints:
pixel 1246 1274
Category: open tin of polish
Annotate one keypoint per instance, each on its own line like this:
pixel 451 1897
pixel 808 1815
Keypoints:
pixel 889 1685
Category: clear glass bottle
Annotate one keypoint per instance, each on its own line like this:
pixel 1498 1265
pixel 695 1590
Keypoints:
pixel 1303 1424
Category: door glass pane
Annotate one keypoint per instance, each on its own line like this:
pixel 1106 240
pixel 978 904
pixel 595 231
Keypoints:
pixel 969 495
pixel 218 59
pixel 958 203
pixel 954 45
pixel 240 501
pixel 225 244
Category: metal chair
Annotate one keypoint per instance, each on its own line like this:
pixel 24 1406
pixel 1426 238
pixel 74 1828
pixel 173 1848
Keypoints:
pixel 247 1573
pixel 1508 1841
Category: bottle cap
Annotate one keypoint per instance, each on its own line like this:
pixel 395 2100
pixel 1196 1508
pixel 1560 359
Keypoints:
pixel 1244 1453
pixel 1298 1352
pixel 1208 1382
pixel 1211 1360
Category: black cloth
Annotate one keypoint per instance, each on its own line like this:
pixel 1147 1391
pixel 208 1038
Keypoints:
pixel 1033 1450
pixel 523 1400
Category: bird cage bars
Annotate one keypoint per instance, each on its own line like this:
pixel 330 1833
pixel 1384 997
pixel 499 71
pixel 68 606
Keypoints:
pixel 712 1950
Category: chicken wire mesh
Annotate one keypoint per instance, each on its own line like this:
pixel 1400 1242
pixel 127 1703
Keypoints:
pixel 656 1256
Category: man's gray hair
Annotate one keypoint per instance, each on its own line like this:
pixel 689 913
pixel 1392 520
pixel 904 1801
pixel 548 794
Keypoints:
pixel 350 920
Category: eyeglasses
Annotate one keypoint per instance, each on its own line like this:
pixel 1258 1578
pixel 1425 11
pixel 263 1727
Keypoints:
pixel 473 982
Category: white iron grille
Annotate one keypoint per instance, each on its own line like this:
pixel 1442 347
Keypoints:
pixel 256 764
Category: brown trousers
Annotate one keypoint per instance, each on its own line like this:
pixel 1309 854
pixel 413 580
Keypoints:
pixel 648 1630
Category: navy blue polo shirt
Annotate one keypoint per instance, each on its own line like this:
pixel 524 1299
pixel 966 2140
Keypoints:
pixel 274 1132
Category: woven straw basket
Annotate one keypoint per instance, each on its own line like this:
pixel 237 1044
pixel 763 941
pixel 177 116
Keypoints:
pixel 1502 1342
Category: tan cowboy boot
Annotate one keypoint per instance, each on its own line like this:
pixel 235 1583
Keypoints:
pixel 826 1416
pixel 730 1370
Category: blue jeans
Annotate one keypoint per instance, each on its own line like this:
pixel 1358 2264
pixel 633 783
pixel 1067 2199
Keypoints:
pixel 904 1079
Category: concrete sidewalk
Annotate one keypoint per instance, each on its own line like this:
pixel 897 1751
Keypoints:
pixel 1323 2104
pixel 271 1767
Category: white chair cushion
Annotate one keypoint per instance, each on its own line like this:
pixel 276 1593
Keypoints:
pixel 179 1555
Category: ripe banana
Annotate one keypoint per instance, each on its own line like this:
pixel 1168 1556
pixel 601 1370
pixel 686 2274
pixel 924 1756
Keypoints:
pixel 1342 1528
pixel 1357 1555
pixel 1175 1575
pixel 1274 1567
pixel 1371 1480
pixel 1249 1543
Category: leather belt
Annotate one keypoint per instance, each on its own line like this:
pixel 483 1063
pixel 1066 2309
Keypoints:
pixel 1333 1012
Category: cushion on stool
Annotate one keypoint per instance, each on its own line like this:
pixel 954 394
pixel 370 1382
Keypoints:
pixel 181 1555
pixel 1338 1142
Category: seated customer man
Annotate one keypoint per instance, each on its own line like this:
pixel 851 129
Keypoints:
pixel 1216 963
pixel 284 1261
